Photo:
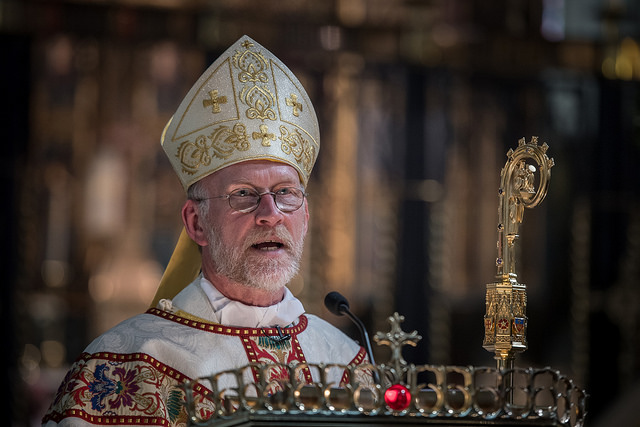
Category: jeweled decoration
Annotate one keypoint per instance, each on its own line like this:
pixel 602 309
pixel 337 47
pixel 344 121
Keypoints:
pixel 397 397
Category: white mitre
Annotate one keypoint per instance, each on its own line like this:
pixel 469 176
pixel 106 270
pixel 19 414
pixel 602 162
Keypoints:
pixel 247 105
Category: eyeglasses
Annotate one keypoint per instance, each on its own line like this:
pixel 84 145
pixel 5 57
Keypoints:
pixel 245 200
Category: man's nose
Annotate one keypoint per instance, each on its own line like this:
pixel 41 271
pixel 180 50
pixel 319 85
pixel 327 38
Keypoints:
pixel 267 212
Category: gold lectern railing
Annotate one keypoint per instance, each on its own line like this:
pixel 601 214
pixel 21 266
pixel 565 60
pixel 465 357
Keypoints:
pixel 402 394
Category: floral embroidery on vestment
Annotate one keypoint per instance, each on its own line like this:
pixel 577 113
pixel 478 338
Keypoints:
pixel 108 388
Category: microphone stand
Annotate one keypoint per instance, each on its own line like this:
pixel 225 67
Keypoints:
pixel 338 305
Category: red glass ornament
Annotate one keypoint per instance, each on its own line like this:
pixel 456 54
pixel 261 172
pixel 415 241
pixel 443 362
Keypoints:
pixel 397 397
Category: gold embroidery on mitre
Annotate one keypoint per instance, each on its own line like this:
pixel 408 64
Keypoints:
pixel 264 135
pixel 215 101
pixel 259 99
pixel 221 143
pixel 293 143
pixel 292 101
pixel 252 65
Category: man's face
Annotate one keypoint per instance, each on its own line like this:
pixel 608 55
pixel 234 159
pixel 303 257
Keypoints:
pixel 260 249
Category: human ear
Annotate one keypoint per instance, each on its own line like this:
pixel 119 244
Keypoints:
pixel 193 223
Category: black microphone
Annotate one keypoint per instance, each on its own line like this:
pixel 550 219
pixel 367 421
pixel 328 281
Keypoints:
pixel 338 305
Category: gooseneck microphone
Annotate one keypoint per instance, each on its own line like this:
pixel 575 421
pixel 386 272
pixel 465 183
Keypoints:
pixel 338 305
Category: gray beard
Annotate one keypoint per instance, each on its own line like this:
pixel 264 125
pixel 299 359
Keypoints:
pixel 237 264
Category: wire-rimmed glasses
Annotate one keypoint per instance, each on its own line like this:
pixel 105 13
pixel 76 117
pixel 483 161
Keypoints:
pixel 245 200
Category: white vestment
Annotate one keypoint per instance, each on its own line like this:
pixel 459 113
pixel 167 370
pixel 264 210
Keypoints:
pixel 130 375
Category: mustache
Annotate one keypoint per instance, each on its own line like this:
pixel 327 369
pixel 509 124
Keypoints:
pixel 278 233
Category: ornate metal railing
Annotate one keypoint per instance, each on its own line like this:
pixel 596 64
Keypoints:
pixel 478 395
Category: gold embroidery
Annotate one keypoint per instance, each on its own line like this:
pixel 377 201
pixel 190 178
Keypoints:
pixel 215 101
pixel 259 99
pixel 221 143
pixel 260 102
pixel 301 149
pixel 264 135
pixel 293 102
pixel 252 65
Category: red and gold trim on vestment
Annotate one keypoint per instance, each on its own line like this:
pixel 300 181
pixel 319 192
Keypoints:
pixel 217 328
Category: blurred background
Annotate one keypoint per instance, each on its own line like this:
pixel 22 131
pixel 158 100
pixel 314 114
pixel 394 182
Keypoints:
pixel 418 102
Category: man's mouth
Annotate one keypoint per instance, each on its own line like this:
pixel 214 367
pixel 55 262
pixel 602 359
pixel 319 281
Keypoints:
pixel 268 246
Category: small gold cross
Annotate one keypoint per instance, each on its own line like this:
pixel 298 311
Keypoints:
pixel 396 338
pixel 293 102
pixel 215 101
pixel 264 135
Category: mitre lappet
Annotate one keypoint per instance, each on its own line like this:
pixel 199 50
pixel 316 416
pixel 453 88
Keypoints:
pixel 246 106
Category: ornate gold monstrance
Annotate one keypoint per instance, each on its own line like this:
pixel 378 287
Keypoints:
pixel 505 321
